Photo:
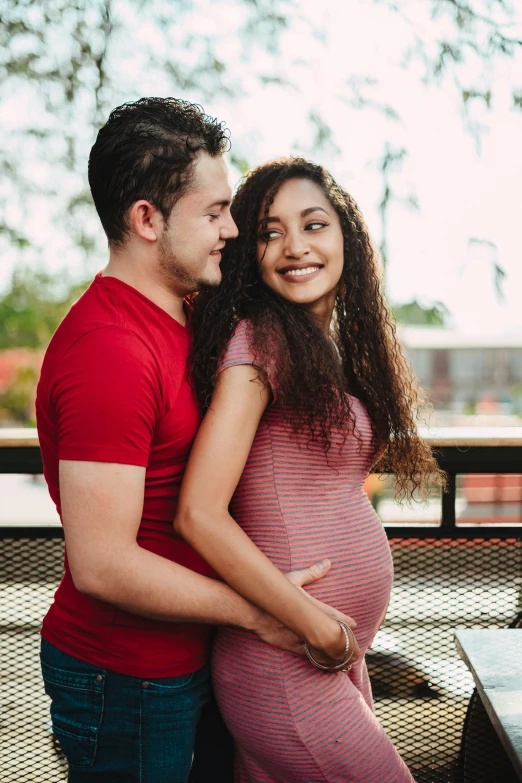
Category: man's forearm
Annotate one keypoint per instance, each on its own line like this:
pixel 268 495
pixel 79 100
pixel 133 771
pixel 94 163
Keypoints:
pixel 228 549
pixel 152 586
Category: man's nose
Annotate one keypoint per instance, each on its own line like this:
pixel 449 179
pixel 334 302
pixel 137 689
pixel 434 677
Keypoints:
pixel 229 230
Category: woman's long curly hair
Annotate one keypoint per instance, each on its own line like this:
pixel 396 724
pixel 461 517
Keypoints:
pixel 310 381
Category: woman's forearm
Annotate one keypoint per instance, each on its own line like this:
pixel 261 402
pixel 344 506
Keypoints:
pixel 217 460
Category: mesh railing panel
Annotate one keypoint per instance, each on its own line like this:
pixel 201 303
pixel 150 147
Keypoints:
pixel 421 687
pixel 30 571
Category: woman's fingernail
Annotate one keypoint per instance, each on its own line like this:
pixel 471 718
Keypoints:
pixel 325 563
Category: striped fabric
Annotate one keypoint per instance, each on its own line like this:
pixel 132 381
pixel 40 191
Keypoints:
pixel 293 723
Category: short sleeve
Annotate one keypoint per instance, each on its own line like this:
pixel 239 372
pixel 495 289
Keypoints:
pixel 106 398
pixel 240 351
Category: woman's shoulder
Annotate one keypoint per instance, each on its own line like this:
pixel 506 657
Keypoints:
pixel 240 348
pixel 241 343
pixel 243 330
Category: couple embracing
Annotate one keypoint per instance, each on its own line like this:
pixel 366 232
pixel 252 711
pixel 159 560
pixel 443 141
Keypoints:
pixel 207 413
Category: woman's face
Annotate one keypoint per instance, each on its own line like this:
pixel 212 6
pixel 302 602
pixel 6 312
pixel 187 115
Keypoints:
pixel 300 247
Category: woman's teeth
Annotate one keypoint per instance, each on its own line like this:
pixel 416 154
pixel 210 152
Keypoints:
pixel 300 272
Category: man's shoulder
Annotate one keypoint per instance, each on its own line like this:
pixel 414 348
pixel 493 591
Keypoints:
pixel 87 340
pixel 96 321
pixel 96 341
pixel 88 313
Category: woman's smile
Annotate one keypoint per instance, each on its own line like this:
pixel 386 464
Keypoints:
pixel 297 274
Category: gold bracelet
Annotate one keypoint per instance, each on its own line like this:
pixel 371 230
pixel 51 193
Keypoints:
pixel 348 652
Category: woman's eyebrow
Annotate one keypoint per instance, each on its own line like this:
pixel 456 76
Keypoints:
pixel 304 213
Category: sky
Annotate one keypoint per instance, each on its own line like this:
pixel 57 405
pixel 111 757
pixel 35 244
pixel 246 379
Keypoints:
pixel 467 184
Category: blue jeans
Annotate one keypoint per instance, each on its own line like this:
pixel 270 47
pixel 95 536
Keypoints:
pixel 112 727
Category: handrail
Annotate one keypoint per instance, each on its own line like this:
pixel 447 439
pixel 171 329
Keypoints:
pixel 461 437
pixel 457 450
pixel 458 437
pixel 19 437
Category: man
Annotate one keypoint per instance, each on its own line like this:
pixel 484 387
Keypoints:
pixel 125 643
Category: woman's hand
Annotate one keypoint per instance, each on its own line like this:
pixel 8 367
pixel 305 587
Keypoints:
pixel 334 655
pixel 275 633
pixel 330 647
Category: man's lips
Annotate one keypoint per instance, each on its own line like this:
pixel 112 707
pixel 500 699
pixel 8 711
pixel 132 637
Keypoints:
pixel 217 253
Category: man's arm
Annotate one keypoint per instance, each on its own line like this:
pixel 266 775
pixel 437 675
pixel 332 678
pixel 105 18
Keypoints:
pixel 102 505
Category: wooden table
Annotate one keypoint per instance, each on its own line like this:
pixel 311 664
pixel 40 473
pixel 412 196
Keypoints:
pixel 494 657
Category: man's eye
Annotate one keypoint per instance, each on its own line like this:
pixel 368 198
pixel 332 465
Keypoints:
pixel 213 217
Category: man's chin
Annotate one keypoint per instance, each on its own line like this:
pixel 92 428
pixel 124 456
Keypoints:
pixel 190 285
pixel 210 281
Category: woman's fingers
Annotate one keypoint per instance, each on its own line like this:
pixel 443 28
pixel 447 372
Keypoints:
pixel 331 612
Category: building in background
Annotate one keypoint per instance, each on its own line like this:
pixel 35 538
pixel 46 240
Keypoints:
pixel 467 375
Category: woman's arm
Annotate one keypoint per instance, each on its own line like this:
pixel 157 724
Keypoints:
pixel 216 462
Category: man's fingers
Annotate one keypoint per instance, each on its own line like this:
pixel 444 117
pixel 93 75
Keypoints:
pixel 306 576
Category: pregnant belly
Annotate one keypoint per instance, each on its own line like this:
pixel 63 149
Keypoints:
pixel 344 528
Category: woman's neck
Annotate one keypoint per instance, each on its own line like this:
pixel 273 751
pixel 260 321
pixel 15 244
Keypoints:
pixel 322 317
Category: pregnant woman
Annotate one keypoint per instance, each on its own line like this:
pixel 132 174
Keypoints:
pixel 296 363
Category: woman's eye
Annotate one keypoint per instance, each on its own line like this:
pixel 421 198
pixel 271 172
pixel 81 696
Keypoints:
pixel 315 225
pixel 266 236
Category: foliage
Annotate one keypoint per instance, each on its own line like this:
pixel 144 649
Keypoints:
pixel 30 311
pixel 17 400
pixel 69 62
pixel 32 308
pixel 65 60
pixel 415 314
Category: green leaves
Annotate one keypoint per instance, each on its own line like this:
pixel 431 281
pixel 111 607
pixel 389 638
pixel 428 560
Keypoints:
pixel 32 308
pixel 416 314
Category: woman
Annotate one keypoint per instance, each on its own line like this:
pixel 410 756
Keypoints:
pixel 304 385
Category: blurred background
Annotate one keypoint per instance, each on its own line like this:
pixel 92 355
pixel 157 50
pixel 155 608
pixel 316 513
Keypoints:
pixel 414 105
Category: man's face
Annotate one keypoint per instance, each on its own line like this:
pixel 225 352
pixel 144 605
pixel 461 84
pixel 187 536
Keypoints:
pixel 198 227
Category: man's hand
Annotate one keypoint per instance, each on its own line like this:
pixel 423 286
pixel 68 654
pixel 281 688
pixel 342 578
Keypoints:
pixel 311 574
pixel 274 633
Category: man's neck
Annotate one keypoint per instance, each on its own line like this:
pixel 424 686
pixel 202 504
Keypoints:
pixel 124 267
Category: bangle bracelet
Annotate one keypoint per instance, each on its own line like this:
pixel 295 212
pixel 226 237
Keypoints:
pixel 345 665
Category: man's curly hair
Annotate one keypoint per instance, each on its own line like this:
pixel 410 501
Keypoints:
pixel 311 383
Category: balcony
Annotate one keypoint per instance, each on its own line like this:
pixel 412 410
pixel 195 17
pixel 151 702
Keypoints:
pixel 458 564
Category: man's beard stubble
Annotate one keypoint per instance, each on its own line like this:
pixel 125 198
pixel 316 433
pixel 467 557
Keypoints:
pixel 175 273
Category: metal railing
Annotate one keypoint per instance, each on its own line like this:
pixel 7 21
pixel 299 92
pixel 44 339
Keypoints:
pixel 447 576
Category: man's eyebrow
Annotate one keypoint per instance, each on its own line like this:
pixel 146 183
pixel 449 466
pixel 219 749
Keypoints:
pixel 304 213
pixel 225 202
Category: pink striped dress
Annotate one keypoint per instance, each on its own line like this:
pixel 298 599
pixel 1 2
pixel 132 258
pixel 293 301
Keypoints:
pixel 293 723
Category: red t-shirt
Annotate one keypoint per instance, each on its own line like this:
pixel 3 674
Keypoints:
pixel 114 388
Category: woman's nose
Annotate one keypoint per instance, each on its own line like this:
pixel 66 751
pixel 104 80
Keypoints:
pixel 296 246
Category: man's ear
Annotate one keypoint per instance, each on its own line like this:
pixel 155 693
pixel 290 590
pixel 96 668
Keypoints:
pixel 145 220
